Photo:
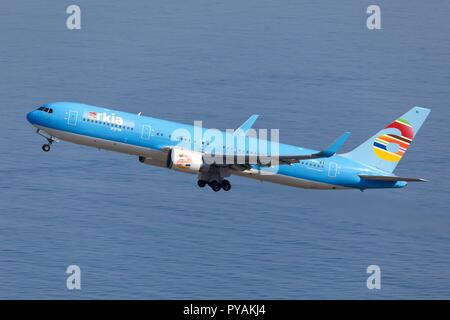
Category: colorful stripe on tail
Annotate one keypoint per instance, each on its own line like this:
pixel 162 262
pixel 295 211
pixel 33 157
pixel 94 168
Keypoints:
pixel 392 147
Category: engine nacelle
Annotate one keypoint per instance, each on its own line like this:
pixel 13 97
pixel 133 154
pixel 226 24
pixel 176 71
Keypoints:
pixel 185 160
pixel 158 160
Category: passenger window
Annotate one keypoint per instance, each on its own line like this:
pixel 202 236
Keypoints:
pixel 45 109
pixel 50 111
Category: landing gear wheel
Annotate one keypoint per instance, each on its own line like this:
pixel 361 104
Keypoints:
pixel 201 183
pixel 215 186
pixel 226 185
pixel 46 147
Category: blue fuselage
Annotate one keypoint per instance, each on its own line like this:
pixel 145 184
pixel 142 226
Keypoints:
pixel 149 137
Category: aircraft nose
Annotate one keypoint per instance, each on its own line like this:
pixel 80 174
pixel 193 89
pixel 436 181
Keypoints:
pixel 32 117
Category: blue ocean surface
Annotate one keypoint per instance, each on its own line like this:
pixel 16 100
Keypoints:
pixel 310 68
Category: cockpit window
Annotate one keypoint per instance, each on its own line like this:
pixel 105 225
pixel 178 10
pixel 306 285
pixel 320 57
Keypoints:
pixel 48 110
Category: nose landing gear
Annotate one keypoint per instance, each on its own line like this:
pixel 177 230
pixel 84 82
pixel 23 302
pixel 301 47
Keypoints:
pixel 46 147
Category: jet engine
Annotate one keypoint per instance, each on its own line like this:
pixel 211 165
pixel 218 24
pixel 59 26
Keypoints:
pixel 185 160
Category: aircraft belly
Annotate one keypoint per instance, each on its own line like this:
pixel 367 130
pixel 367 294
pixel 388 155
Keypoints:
pixel 155 157
pixel 158 158
pixel 288 180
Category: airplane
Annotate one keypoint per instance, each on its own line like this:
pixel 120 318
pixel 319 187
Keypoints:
pixel 156 142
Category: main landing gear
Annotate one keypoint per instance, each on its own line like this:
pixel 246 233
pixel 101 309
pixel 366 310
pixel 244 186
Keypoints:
pixel 214 178
pixel 46 147
pixel 215 185
pixel 226 185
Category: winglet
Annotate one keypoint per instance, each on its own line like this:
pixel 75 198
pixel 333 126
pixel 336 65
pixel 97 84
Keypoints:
pixel 247 125
pixel 331 150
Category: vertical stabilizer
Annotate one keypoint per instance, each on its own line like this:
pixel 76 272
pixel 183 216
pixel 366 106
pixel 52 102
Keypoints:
pixel 385 149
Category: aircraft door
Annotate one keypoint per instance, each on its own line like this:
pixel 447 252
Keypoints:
pixel 72 119
pixel 146 132
pixel 332 170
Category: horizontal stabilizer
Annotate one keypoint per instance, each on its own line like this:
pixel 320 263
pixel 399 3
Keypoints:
pixel 388 178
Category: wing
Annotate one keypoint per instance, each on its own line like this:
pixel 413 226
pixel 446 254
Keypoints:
pixel 247 125
pixel 326 153
pixel 270 160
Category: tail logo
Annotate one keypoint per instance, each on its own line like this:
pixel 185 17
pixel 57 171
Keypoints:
pixel 392 147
